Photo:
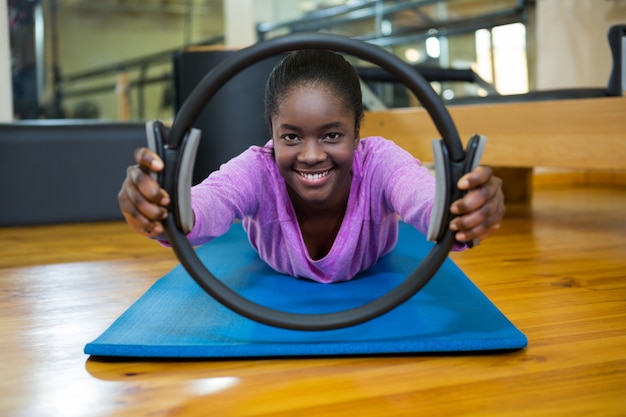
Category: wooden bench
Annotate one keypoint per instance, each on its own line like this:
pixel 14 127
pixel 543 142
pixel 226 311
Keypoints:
pixel 587 133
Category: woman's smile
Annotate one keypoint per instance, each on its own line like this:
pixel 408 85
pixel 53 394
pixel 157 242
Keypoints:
pixel 314 178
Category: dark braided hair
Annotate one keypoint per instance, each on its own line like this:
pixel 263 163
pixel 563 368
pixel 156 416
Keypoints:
pixel 311 67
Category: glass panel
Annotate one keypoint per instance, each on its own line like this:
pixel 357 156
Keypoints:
pixel 98 52
pixel 452 34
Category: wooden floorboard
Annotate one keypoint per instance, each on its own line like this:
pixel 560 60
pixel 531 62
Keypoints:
pixel 556 269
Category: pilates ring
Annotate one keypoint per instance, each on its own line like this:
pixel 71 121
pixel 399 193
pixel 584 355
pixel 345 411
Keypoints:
pixel 177 147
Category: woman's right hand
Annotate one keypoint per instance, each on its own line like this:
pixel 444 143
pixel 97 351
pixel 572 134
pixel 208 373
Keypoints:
pixel 142 201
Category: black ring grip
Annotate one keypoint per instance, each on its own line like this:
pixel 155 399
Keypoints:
pixel 180 162
pixel 447 174
pixel 192 107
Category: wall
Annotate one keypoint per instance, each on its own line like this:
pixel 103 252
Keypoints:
pixel 572 48
pixel 6 104
pixel 91 38
pixel 242 16
pixel 572 51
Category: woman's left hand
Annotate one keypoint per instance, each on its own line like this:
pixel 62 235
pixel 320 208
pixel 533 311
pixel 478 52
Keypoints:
pixel 480 212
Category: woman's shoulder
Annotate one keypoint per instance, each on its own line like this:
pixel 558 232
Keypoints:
pixel 252 157
pixel 264 151
pixel 382 159
pixel 378 147
pixel 374 143
pixel 254 165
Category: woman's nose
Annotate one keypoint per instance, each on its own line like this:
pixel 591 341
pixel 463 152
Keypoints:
pixel 311 152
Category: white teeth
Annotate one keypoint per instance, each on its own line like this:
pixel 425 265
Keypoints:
pixel 313 176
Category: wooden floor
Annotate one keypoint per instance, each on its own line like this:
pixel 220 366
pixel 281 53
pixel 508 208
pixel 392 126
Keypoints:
pixel 557 270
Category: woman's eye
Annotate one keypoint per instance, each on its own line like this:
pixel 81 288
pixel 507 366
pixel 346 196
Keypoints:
pixel 333 136
pixel 290 137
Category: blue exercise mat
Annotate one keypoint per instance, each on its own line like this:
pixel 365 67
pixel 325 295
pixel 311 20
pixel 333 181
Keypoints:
pixel 175 318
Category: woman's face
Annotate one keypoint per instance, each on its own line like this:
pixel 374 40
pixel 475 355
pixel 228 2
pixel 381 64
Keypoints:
pixel 314 139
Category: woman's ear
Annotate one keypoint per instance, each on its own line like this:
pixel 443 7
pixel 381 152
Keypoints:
pixel 357 137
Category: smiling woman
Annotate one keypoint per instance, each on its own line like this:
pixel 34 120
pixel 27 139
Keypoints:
pixel 385 183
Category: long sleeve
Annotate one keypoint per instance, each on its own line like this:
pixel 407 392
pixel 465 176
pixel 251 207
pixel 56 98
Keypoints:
pixel 232 192
pixel 399 182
